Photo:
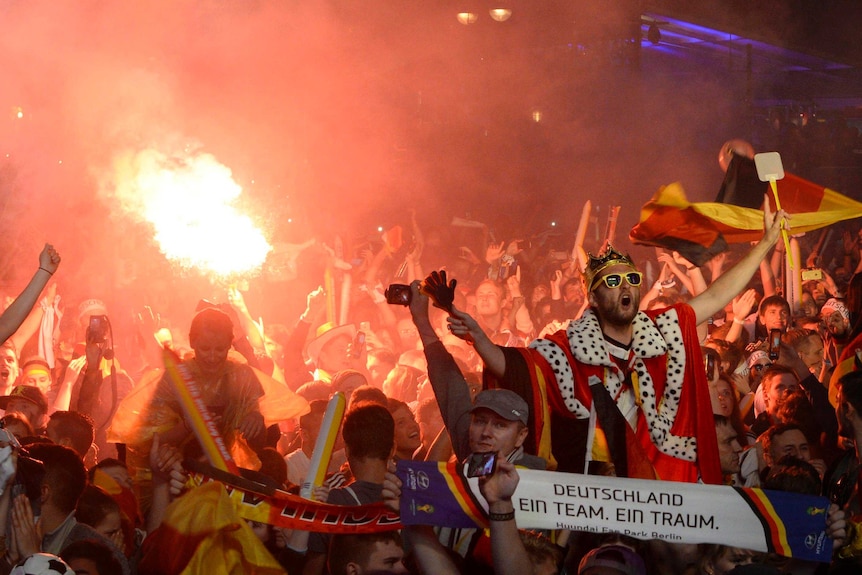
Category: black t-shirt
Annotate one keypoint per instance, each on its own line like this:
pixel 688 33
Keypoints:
pixel 357 493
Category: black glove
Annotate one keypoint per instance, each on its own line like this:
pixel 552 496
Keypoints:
pixel 437 289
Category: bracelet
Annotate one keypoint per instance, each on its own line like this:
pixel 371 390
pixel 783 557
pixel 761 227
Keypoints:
pixel 738 321
pixel 501 516
pixel 50 273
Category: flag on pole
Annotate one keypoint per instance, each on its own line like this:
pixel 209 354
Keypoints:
pixel 701 230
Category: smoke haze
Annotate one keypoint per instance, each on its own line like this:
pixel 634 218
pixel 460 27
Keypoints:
pixel 334 117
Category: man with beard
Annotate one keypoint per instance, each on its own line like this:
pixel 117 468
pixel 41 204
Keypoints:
pixel 836 321
pixel 626 389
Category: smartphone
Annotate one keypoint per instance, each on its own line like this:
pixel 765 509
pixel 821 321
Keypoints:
pixel 774 344
pixel 97 330
pixel 709 362
pixel 358 345
pixel 812 274
pixel 482 464
pixel 507 270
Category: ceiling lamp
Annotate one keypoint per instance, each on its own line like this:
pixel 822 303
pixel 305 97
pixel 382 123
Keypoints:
pixel 500 14
pixel 467 18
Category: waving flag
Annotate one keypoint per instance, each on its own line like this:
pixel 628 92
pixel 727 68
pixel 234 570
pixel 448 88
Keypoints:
pixel 701 230
pixel 203 533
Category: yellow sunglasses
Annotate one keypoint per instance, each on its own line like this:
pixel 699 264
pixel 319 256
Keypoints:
pixel 614 281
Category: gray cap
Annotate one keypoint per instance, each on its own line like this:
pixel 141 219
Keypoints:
pixel 507 404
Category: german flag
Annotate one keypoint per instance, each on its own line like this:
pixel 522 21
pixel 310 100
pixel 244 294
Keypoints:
pixel 202 533
pixel 848 362
pixel 699 231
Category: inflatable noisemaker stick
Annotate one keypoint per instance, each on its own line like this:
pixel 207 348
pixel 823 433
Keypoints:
pixel 324 444
pixel 329 287
pixel 579 256
pixel 793 278
pixel 196 413
pixel 770 169
pixel 344 308
pixel 611 231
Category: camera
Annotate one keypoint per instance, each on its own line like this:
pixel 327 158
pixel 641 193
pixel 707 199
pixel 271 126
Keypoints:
pixel 774 343
pixel 398 294
pixel 482 464
pixel 97 330
pixel 812 274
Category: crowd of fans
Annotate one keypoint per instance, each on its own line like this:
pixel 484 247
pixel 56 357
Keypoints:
pixel 92 463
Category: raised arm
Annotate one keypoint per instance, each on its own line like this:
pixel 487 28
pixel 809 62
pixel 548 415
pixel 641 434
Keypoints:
pixel 460 324
pixel 33 321
pixel 507 550
pixel 447 381
pixel 249 327
pixel 427 550
pixel 16 313
pixel 734 280
pixel 464 326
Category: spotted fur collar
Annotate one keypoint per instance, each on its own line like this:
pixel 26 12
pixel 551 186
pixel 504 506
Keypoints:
pixel 588 344
pixel 649 339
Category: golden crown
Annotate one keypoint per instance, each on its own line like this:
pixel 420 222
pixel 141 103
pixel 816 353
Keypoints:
pixel 611 257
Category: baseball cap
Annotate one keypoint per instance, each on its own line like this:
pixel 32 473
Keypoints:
pixel 616 557
pixel 27 392
pixel 505 403
pixel 756 356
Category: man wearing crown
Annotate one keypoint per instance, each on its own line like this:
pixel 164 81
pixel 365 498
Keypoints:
pixel 621 391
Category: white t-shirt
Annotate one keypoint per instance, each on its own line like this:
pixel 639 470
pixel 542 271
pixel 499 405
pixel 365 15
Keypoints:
pixel 298 463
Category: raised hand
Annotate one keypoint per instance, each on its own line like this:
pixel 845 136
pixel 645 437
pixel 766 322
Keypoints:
pixel 315 304
pixel 27 536
pixel 773 223
pixel 164 459
pixel 514 247
pixel 147 321
pixel 513 283
pixel 49 259
pixel 236 299
pixel 743 304
pixel 494 252
pixel 440 290
pixel 392 489
pixel 501 485
pixel 462 325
